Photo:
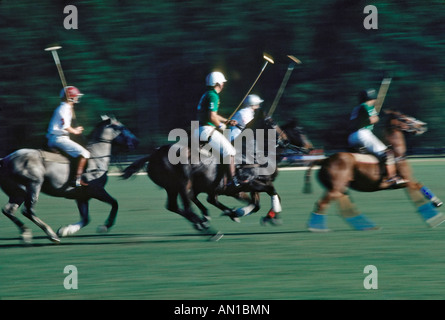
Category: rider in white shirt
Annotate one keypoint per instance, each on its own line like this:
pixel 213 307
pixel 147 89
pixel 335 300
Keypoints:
pixel 60 128
pixel 245 115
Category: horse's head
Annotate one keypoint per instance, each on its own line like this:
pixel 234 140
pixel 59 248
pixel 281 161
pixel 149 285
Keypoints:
pixel 112 131
pixel 400 121
pixel 290 135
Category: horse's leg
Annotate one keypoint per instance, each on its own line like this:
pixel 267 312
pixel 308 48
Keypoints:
pixel 104 196
pixel 32 194
pixel 69 230
pixel 428 194
pixel 426 208
pixel 252 207
pixel 186 196
pixel 226 211
pixel 172 205
pixel 406 172
pixel 307 187
pixel 335 175
pixel 186 212
pixel 172 200
pixel 349 212
pixel 201 207
pixel 273 216
pixel 318 218
pixel 9 210
pixel 201 225
pixel 212 198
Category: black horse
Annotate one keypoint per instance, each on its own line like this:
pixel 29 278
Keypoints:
pixel 188 180
pixel 27 172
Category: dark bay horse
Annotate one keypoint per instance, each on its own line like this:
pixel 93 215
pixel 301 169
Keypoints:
pixel 27 172
pixel 188 180
pixel 360 172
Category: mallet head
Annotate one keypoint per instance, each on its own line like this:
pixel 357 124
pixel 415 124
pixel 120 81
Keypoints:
pixel 295 59
pixel 268 58
pixel 52 48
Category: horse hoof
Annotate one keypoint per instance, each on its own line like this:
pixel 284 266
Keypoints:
pixel 198 227
pixel 102 229
pixel 54 238
pixel 232 215
pixel 68 230
pixel 273 221
pixel 61 232
pixel 437 203
pixel 217 236
pixel 27 236
pixel 318 230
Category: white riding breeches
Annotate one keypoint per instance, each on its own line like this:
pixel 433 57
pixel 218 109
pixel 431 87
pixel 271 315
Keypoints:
pixel 365 138
pixel 216 140
pixel 69 146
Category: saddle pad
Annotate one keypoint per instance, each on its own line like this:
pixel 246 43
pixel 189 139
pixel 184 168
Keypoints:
pixel 53 157
pixel 365 158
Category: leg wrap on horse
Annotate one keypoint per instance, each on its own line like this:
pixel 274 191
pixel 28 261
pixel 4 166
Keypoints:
pixel 352 216
pixel 276 203
pixel 361 222
pixel 431 196
pixel 426 209
pixel 317 223
pixel 430 214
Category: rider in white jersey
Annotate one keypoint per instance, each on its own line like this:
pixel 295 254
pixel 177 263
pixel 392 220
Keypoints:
pixel 60 128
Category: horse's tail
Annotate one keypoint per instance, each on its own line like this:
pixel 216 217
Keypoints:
pixel 134 167
pixel 307 187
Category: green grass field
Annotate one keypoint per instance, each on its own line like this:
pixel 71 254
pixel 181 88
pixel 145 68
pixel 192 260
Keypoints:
pixel 154 254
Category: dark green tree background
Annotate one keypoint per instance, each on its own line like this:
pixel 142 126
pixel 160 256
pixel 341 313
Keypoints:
pixel 145 62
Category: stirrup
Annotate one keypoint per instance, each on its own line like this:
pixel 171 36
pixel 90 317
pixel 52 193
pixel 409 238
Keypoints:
pixel 396 182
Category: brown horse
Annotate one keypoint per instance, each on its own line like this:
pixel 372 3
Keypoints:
pixel 363 173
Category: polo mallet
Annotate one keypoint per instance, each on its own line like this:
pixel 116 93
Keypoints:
pixel 268 59
pixel 53 50
pixel 384 86
pixel 290 68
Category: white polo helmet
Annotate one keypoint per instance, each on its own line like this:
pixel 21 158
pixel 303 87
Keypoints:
pixel 253 100
pixel 215 78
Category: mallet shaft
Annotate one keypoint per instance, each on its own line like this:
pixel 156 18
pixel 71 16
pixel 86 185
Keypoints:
pixel 382 93
pixel 60 70
pixel 248 92
pixel 290 68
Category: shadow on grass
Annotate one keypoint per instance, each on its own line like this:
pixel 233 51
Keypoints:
pixel 131 239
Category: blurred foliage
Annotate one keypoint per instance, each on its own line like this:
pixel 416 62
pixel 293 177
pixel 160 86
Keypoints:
pixel 146 61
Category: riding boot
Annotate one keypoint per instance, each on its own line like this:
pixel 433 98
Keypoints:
pixel 393 180
pixel 232 179
pixel 80 168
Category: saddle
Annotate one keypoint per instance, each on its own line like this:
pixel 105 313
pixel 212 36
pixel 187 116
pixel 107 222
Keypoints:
pixel 59 156
pixel 366 158
pixel 55 156
pixel 245 172
pixel 363 156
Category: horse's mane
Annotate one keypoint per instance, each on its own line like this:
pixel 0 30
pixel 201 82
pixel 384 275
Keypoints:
pixel 97 130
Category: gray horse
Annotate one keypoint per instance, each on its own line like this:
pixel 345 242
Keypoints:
pixel 27 172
